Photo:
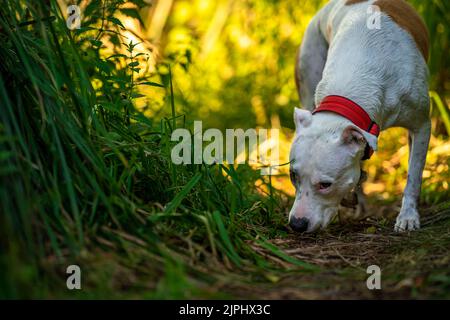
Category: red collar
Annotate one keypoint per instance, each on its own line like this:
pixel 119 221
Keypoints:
pixel 353 112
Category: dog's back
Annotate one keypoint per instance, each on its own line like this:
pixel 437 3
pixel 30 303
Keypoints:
pixel 376 55
pixel 402 13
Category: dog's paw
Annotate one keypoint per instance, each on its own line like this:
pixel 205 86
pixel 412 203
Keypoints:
pixel 407 220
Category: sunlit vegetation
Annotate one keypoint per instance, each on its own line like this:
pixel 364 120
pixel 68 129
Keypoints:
pixel 85 170
pixel 243 77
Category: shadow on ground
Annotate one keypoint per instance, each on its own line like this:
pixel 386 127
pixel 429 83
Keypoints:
pixel 413 264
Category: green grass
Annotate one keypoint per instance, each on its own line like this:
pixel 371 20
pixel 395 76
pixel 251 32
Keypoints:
pixel 82 170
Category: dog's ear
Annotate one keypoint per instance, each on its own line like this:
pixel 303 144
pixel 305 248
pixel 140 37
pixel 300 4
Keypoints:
pixel 302 118
pixel 357 138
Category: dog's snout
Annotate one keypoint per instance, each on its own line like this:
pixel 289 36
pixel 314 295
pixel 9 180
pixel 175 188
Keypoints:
pixel 299 224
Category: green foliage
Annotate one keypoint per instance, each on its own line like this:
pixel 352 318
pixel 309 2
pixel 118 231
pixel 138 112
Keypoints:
pixel 243 71
pixel 82 168
pixel 436 14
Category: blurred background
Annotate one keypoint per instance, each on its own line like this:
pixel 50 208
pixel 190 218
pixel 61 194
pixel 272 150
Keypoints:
pixel 232 63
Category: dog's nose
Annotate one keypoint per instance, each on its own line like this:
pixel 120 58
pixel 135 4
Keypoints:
pixel 299 224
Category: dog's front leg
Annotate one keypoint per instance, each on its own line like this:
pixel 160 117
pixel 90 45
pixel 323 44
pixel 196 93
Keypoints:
pixel 408 218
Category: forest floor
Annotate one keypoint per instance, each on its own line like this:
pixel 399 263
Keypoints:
pixel 414 265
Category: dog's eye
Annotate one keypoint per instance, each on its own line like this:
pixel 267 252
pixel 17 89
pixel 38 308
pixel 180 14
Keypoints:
pixel 293 177
pixel 324 185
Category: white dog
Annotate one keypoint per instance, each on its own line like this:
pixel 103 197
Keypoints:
pixel 361 68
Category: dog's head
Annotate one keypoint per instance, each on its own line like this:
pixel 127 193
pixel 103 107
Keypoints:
pixel 325 167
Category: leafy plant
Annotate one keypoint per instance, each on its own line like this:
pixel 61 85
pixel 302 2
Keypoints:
pixel 83 169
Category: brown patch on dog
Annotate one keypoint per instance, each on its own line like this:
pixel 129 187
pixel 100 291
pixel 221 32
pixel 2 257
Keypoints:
pixel 350 2
pixel 329 32
pixel 407 18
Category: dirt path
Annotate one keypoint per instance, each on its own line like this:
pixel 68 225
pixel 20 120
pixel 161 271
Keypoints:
pixel 413 265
